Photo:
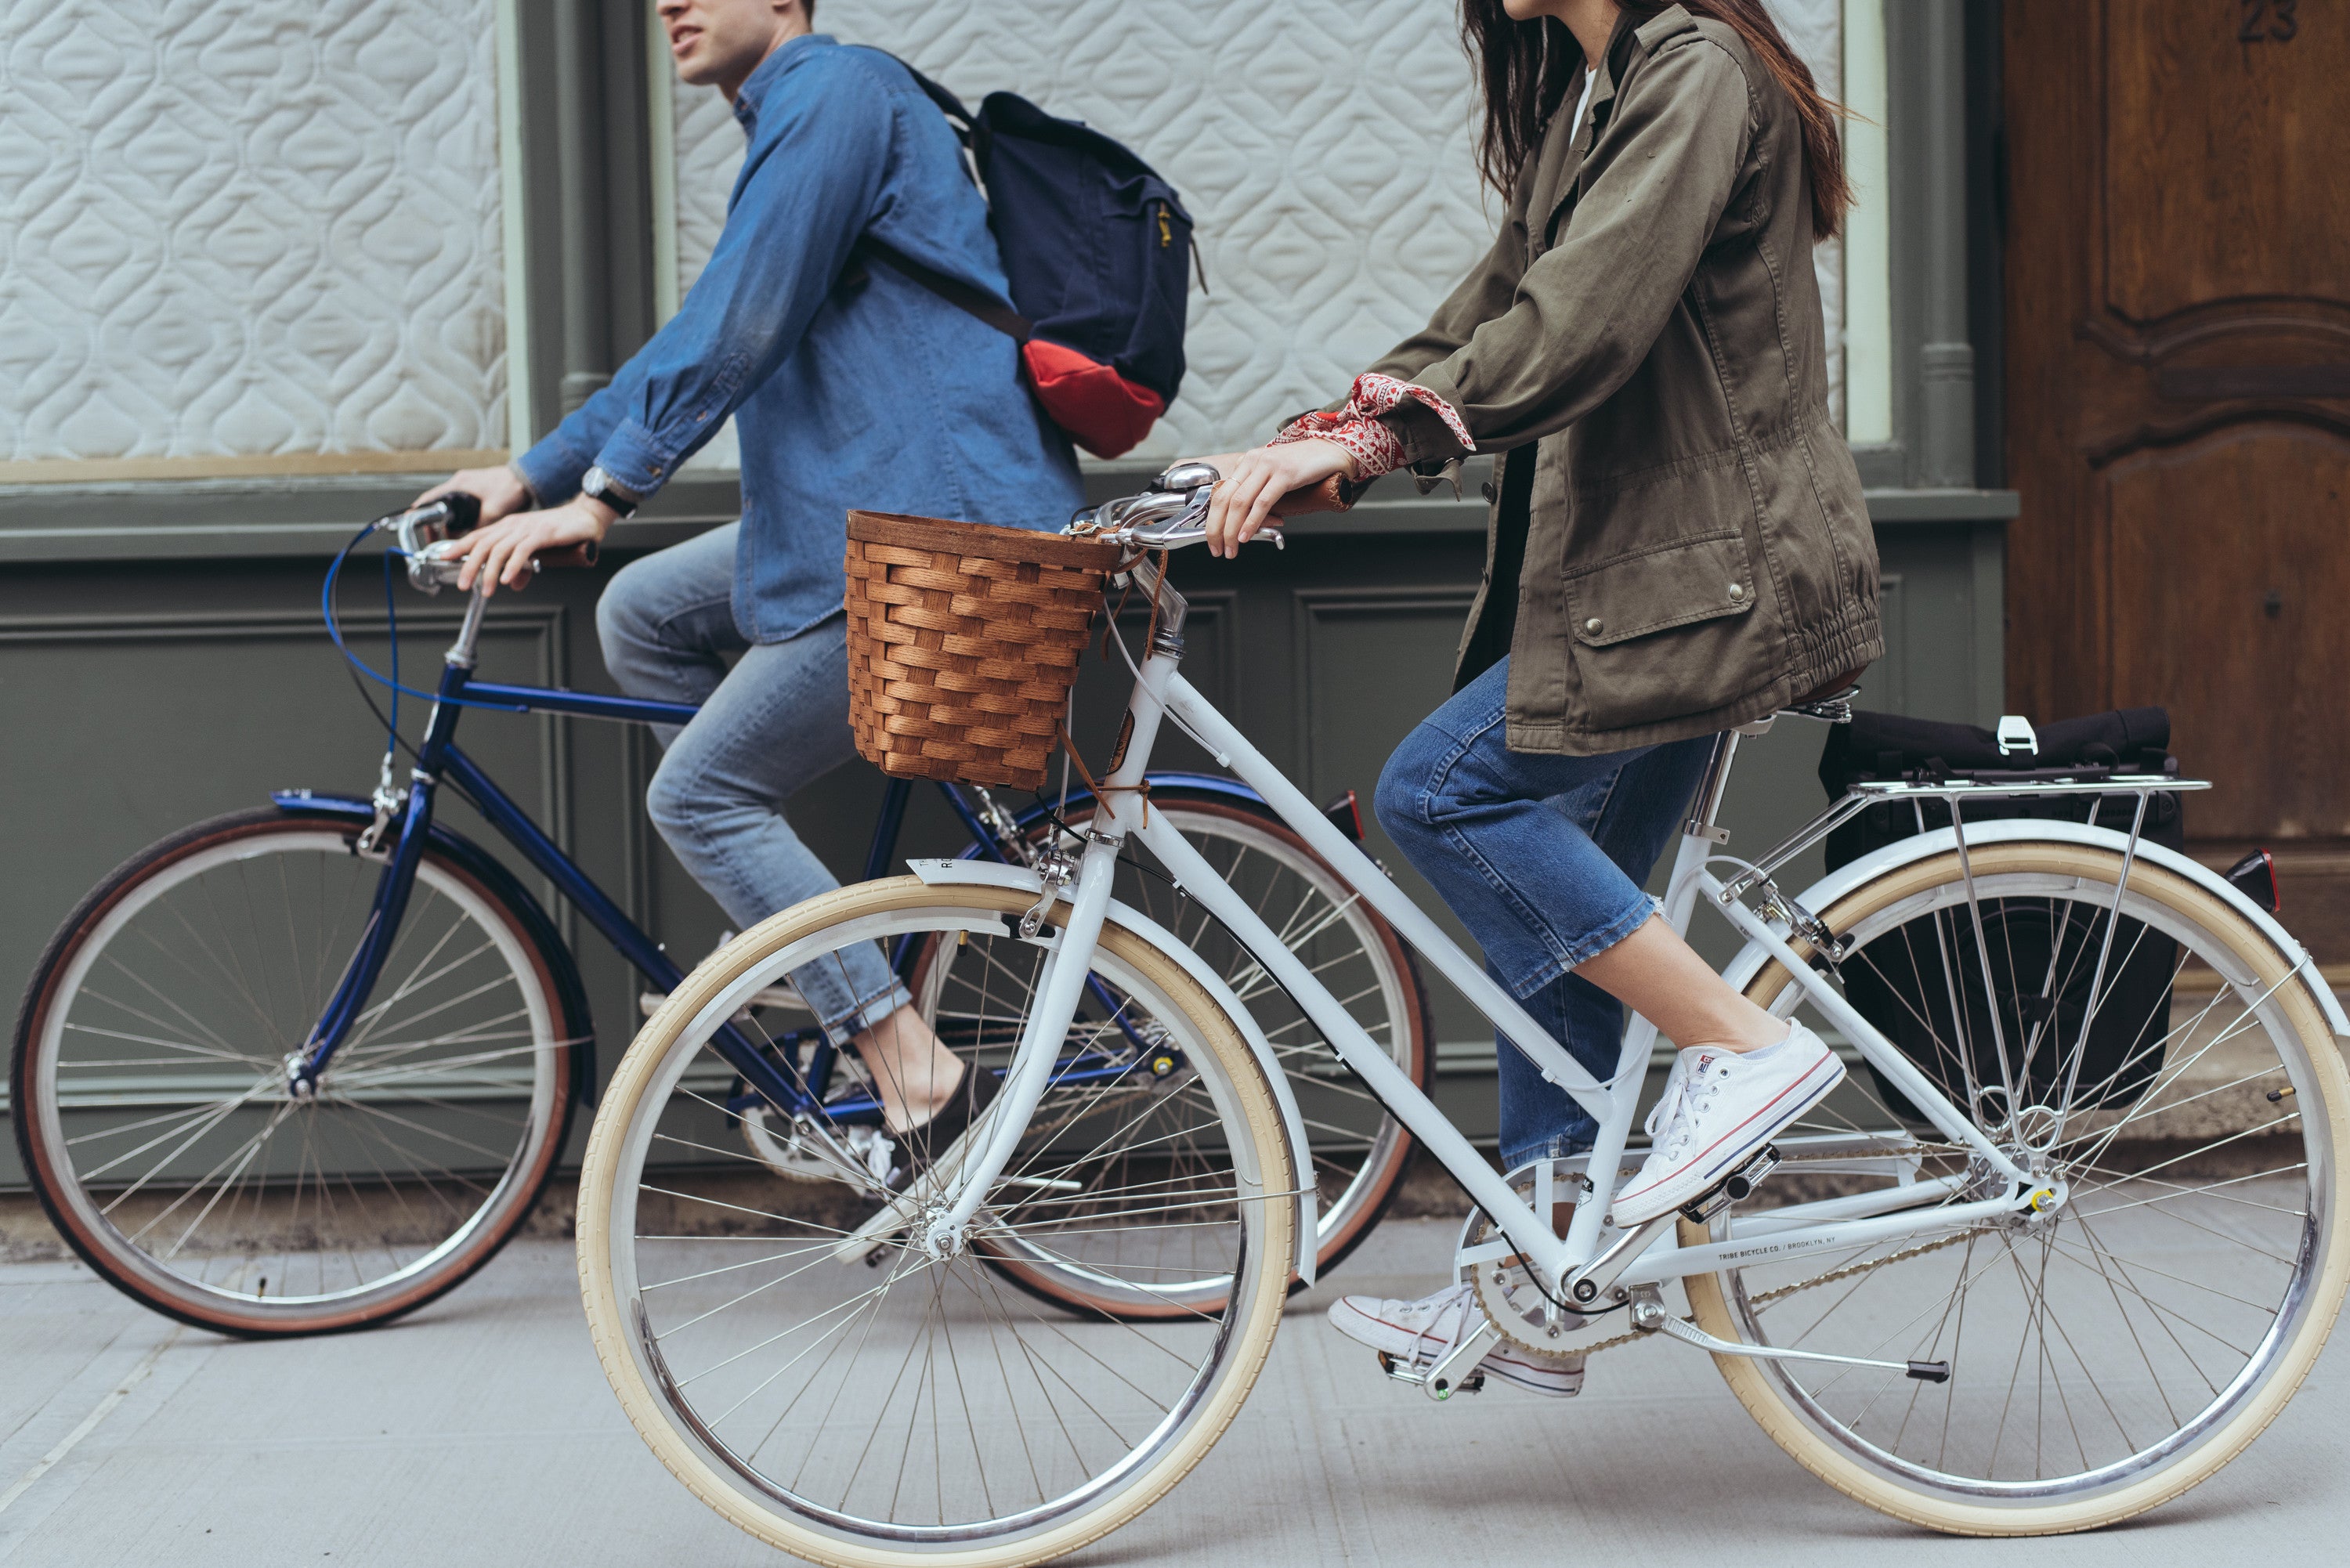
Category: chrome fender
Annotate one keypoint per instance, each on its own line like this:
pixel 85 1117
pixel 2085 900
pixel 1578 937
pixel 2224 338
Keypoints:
pixel 989 874
pixel 1825 892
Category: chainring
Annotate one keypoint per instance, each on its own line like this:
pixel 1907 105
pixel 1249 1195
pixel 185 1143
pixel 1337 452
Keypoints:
pixel 1511 1297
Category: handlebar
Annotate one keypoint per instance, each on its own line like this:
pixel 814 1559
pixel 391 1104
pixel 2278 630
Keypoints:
pixel 432 534
pixel 1173 512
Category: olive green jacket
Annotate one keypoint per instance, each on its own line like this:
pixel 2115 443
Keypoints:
pixel 1677 541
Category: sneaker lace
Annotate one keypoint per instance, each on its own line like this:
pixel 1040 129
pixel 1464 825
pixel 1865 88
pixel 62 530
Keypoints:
pixel 1455 1298
pixel 1670 1124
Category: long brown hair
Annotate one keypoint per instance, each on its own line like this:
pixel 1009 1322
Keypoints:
pixel 1528 67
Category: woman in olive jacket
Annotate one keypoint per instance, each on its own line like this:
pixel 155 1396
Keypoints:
pixel 1678 545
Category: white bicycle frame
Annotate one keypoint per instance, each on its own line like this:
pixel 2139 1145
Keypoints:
pixel 1590 1246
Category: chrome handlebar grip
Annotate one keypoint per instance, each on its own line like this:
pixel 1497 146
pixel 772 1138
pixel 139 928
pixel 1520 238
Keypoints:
pixel 1172 514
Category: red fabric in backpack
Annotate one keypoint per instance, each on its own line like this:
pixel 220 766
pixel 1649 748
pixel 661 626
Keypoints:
pixel 1102 411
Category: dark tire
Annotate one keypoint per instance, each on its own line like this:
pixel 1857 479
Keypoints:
pixel 416 1160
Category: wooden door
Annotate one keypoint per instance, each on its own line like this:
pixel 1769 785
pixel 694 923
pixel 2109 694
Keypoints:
pixel 2177 339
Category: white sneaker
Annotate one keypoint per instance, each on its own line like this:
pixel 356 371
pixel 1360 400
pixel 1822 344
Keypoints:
pixel 1719 1109
pixel 1421 1332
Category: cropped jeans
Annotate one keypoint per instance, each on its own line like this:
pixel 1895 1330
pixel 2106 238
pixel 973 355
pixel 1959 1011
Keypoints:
pixel 1542 857
pixel 775 723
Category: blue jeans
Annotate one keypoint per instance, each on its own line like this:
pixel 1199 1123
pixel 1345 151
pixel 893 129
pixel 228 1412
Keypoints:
pixel 775 723
pixel 1542 857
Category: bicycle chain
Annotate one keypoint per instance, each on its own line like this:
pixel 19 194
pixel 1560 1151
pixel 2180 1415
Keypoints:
pixel 1782 1292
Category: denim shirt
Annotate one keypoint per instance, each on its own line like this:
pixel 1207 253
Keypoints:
pixel 868 392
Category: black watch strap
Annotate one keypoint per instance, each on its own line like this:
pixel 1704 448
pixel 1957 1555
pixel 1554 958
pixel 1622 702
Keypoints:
pixel 599 485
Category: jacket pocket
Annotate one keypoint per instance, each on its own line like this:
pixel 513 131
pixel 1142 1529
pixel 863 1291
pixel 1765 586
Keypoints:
pixel 1667 631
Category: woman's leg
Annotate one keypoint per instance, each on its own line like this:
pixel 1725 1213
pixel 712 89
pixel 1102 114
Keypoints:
pixel 1507 838
pixel 1632 816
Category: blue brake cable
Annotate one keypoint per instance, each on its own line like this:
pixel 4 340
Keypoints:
pixel 335 631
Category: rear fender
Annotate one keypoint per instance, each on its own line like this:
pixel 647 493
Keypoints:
pixel 1824 893
pixel 571 995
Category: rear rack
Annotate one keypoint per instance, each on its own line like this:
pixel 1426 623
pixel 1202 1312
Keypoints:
pixel 1919 788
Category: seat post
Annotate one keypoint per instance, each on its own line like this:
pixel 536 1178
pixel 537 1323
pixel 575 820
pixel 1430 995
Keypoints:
pixel 1706 805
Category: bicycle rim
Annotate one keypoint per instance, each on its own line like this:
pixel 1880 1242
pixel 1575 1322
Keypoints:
pixel 853 1399
pixel 1359 1151
pixel 156 1120
pixel 2108 1354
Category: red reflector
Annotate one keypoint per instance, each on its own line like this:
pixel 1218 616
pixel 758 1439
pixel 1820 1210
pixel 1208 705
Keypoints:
pixel 2255 877
pixel 1345 815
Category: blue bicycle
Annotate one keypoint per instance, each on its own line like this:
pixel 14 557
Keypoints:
pixel 307 1067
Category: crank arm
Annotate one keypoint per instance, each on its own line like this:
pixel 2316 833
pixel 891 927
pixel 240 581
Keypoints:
pixel 1446 1378
pixel 1649 1315
pixel 1586 1284
pixel 1459 1363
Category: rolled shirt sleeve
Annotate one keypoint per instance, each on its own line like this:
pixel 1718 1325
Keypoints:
pixel 813 175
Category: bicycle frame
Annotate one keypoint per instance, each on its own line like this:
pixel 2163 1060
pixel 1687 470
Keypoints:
pixel 1159 692
pixel 798 1091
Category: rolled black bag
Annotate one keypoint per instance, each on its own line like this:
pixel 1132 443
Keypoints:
pixel 2043 954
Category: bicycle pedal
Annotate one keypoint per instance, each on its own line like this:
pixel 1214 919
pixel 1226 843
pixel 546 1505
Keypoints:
pixel 1737 1185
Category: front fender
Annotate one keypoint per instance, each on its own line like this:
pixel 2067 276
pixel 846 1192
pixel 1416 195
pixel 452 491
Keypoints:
pixel 1824 893
pixel 986 873
pixel 1200 783
pixel 570 994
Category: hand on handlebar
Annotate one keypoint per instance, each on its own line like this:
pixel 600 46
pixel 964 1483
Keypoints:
pixel 501 552
pixel 500 490
pixel 1254 482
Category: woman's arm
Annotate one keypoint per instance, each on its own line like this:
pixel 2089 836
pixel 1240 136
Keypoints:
pixel 1585 312
pixel 1485 294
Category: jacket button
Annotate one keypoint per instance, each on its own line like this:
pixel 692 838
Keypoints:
pixel 1737 592
pixel 1488 490
pixel 1593 626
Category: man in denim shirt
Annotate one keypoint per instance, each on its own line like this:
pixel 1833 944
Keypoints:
pixel 868 391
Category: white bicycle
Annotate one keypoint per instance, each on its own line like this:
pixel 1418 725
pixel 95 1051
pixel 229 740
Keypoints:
pixel 2063 1251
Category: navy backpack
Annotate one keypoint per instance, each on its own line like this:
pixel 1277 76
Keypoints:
pixel 1098 253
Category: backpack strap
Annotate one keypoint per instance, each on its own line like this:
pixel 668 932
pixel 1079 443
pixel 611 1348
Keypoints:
pixel 965 123
pixel 963 296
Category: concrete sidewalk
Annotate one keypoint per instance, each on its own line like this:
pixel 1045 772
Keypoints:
pixel 481 1432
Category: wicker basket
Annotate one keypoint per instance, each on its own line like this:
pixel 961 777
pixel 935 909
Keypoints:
pixel 963 641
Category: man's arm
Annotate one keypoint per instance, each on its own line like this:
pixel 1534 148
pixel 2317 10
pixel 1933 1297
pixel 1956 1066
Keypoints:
pixel 553 467
pixel 809 182
pixel 813 176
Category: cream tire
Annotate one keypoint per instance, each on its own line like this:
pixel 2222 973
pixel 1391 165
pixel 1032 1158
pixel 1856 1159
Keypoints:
pixel 1258 1119
pixel 1766 1400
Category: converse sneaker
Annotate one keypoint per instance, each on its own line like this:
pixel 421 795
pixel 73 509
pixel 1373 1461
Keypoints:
pixel 1420 1333
pixel 1719 1109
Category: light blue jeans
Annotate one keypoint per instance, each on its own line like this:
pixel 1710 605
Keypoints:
pixel 775 723
pixel 1542 857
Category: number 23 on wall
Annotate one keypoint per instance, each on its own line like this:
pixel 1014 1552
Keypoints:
pixel 2266 19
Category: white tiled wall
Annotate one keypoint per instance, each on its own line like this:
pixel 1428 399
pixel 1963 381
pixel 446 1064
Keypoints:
pixel 236 228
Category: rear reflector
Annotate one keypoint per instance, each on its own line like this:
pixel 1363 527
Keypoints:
pixel 2255 878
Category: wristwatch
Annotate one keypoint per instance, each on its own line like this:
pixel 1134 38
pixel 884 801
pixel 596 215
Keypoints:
pixel 597 484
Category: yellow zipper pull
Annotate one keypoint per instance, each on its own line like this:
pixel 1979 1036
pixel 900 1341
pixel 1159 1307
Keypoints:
pixel 1166 229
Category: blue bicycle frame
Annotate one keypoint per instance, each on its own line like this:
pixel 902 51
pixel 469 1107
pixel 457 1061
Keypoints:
pixel 787 1086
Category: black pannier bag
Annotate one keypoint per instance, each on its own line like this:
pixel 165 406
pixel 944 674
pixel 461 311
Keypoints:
pixel 2040 975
